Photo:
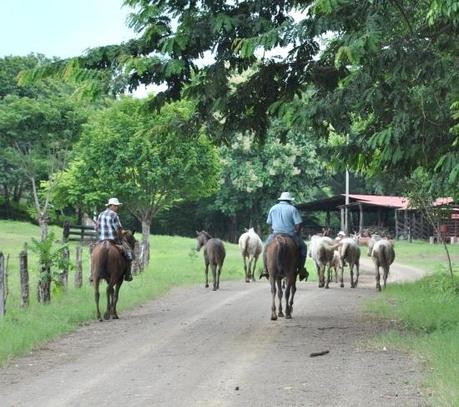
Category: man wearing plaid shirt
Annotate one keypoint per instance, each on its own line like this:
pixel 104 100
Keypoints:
pixel 108 227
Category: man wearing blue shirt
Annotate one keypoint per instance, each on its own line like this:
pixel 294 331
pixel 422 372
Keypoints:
pixel 285 218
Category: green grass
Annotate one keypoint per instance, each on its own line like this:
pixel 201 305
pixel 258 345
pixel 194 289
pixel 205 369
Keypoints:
pixel 173 262
pixel 429 257
pixel 427 319
pixel 426 312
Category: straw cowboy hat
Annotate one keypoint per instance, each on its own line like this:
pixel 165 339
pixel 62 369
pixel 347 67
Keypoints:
pixel 113 201
pixel 286 196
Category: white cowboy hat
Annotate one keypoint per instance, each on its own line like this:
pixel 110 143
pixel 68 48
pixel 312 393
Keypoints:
pixel 113 201
pixel 341 233
pixel 286 196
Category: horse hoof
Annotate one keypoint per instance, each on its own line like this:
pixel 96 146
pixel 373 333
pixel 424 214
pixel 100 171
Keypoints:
pixel 280 314
pixel 288 316
pixel 327 287
pixel 342 285
pixel 207 285
pixel 273 318
pixel 116 317
pixel 106 317
pixel 247 281
pixel 214 289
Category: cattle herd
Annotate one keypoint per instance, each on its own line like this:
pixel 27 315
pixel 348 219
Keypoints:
pixel 326 253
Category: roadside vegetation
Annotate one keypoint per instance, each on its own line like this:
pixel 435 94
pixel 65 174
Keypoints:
pixel 426 318
pixel 173 262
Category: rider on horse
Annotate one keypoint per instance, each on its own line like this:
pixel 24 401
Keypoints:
pixel 284 218
pixel 108 227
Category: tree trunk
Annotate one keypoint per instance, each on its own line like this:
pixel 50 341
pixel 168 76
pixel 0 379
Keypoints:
pixel 43 222
pixel 145 247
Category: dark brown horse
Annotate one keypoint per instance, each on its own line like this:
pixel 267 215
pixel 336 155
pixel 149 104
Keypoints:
pixel 108 263
pixel 214 255
pixel 281 262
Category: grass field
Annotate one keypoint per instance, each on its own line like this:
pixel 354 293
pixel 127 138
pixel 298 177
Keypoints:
pixel 426 316
pixel 426 312
pixel 173 262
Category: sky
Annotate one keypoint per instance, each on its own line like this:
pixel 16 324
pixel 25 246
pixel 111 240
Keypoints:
pixel 61 28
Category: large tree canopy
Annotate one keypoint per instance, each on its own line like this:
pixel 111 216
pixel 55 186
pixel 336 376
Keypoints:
pixel 383 74
pixel 149 161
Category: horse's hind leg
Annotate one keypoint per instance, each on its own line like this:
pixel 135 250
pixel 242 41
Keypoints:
pixel 207 274
pixel 214 276
pixel 288 311
pixel 249 275
pixel 109 302
pixel 246 271
pixel 328 275
pixel 279 295
pixel 97 297
pixel 254 268
pixel 289 298
pixel 378 285
pixel 115 300
pixel 273 294
pixel 219 271
pixel 357 273
pixel 386 274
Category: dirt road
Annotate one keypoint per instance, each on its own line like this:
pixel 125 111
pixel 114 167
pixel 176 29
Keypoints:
pixel 195 347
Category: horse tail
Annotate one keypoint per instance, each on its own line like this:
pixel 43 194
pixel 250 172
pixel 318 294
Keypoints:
pixel 282 255
pixel 246 246
pixel 102 263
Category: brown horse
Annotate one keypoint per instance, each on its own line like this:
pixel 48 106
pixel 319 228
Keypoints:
pixel 281 262
pixel 214 255
pixel 108 263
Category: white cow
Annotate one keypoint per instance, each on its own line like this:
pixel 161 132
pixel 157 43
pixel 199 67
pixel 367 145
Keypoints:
pixel 322 252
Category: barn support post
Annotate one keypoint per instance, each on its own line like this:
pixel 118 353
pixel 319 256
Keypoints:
pixel 397 232
pixel 360 218
pixel 328 219
pixel 24 277
pixel 2 286
pixel 342 219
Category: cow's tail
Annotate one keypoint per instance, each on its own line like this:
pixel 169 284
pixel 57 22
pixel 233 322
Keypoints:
pixel 385 255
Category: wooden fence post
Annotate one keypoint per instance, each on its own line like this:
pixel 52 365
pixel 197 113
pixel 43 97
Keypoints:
pixel 91 248
pixel 79 269
pixel 64 275
pixel 44 285
pixel 24 277
pixel 2 286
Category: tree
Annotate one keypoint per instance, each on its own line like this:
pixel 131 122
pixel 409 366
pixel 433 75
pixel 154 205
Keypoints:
pixel 36 136
pixel 383 73
pixel 255 174
pixel 150 161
